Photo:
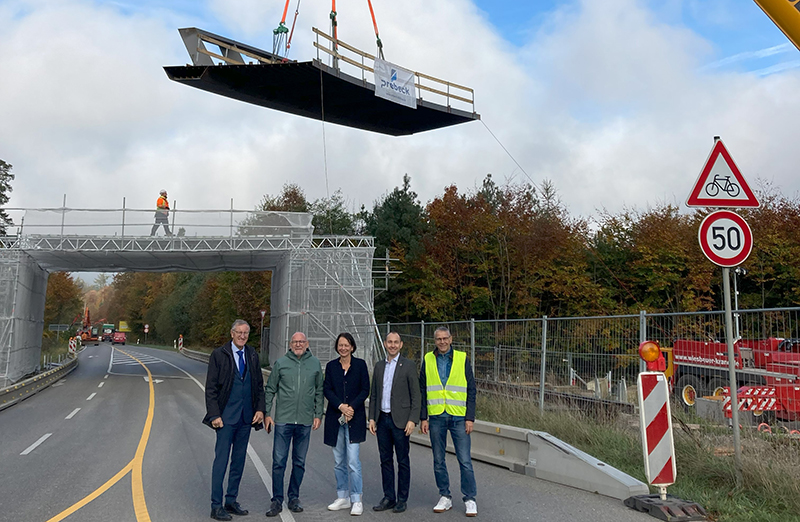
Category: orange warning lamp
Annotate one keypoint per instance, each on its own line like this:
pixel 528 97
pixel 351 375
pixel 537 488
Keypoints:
pixel 650 352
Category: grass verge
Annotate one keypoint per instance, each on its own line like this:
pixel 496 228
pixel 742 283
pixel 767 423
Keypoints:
pixel 770 490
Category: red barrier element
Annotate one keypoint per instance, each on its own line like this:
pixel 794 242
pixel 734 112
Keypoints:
pixel 656 426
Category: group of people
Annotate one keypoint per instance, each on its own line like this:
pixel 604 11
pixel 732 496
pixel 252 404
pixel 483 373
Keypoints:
pixel 440 398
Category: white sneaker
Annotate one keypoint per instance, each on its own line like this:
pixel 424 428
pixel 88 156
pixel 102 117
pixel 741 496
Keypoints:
pixel 339 503
pixel 472 508
pixel 357 509
pixel 443 505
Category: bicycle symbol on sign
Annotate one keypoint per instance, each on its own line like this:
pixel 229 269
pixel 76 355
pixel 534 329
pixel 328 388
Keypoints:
pixel 723 183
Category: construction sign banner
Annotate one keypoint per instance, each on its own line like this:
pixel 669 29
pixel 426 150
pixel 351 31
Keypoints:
pixel 395 84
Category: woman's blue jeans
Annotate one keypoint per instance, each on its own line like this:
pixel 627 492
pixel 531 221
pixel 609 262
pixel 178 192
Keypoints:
pixel 347 467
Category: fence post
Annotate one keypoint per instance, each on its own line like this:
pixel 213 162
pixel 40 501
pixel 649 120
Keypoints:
pixel 63 213
pixel 544 360
pixel 388 327
pixel 421 343
pixel 472 343
pixel 496 361
pixel 642 336
pixel 122 235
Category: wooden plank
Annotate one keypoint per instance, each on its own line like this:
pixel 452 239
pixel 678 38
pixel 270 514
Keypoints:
pixel 451 84
pixel 425 88
pixel 218 56
pixel 234 48
pixel 343 44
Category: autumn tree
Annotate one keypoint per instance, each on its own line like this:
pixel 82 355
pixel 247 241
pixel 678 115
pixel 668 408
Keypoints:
pixel 650 260
pixel 63 303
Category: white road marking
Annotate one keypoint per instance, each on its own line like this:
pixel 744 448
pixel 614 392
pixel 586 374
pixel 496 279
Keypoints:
pixel 106 377
pixel 36 444
pixel 91 356
pixel 59 383
pixel 265 476
pixel 155 381
pixel 76 410
pixel 90 397
pixel 100 385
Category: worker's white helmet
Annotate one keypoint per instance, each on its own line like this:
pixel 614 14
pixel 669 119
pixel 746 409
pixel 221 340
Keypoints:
pixel 163 191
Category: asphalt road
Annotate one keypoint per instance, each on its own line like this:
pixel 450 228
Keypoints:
pixel 93 447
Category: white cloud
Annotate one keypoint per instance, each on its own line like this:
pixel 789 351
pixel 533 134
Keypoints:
pixel 606 100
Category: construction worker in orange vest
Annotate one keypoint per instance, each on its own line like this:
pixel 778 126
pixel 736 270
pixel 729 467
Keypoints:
pixel 162 213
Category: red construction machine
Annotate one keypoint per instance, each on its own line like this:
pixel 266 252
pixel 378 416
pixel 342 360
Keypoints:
pixel 89 333
pixel 767 373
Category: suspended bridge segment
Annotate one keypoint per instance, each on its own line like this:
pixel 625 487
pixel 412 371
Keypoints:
pixel 321 285
pixel 317 90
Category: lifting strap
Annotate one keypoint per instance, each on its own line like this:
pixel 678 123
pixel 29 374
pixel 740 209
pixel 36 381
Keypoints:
pixel 375 25
pixel 279 33
pixel 282 34
pixel 334 24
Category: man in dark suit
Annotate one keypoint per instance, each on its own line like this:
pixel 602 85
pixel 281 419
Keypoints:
pixel 394 408
pixel 234 404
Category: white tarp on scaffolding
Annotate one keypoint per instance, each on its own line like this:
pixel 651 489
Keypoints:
pixel 395 84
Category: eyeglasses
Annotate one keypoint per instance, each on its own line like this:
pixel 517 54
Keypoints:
pixel 299 342
pixel 241 334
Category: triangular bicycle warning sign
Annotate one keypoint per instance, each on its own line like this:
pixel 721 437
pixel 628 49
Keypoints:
pixel 720 183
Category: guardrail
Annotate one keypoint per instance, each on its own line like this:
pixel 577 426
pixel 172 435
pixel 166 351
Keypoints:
pixel 437 86
pixel 203 357
pixel 20 391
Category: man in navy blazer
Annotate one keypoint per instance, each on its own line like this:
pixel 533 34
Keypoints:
pixel 394 409
pixel 234 403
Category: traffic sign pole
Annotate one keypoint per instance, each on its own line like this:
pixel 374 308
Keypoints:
pixel 737 444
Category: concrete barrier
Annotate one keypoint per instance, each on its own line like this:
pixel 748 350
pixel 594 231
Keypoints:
pixel 540 455
pixel 20 391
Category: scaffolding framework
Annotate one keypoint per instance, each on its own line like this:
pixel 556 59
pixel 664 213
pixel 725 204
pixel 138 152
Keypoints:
pixel 321 285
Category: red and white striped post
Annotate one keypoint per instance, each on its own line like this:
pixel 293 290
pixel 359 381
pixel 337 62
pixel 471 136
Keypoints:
pixel 655 419
pixel 180 342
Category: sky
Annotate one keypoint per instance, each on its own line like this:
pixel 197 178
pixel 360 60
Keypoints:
pixel 615 102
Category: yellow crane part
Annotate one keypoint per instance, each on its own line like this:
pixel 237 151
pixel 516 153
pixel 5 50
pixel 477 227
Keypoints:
pixel 786 15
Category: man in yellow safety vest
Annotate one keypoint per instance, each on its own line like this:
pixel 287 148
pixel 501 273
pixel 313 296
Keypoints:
pixel 448 404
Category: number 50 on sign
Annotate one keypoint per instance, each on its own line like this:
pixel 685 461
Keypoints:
pixel 725 238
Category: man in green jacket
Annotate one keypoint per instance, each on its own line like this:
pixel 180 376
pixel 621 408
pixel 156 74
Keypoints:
pixel 296 385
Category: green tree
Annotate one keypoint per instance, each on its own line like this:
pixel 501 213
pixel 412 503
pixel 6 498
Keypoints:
pixel 331 216
pixel 6 177
pixel 398 224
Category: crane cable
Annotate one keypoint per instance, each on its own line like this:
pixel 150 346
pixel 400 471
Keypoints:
pixel 375 25
pixel 291 33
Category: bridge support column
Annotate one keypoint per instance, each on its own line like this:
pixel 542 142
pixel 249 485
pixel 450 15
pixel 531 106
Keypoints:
pixel 23 288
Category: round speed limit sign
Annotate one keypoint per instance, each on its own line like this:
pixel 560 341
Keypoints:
pixel 725 238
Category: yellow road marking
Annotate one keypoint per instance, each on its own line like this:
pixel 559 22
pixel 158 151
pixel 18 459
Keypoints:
pixel 134 466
